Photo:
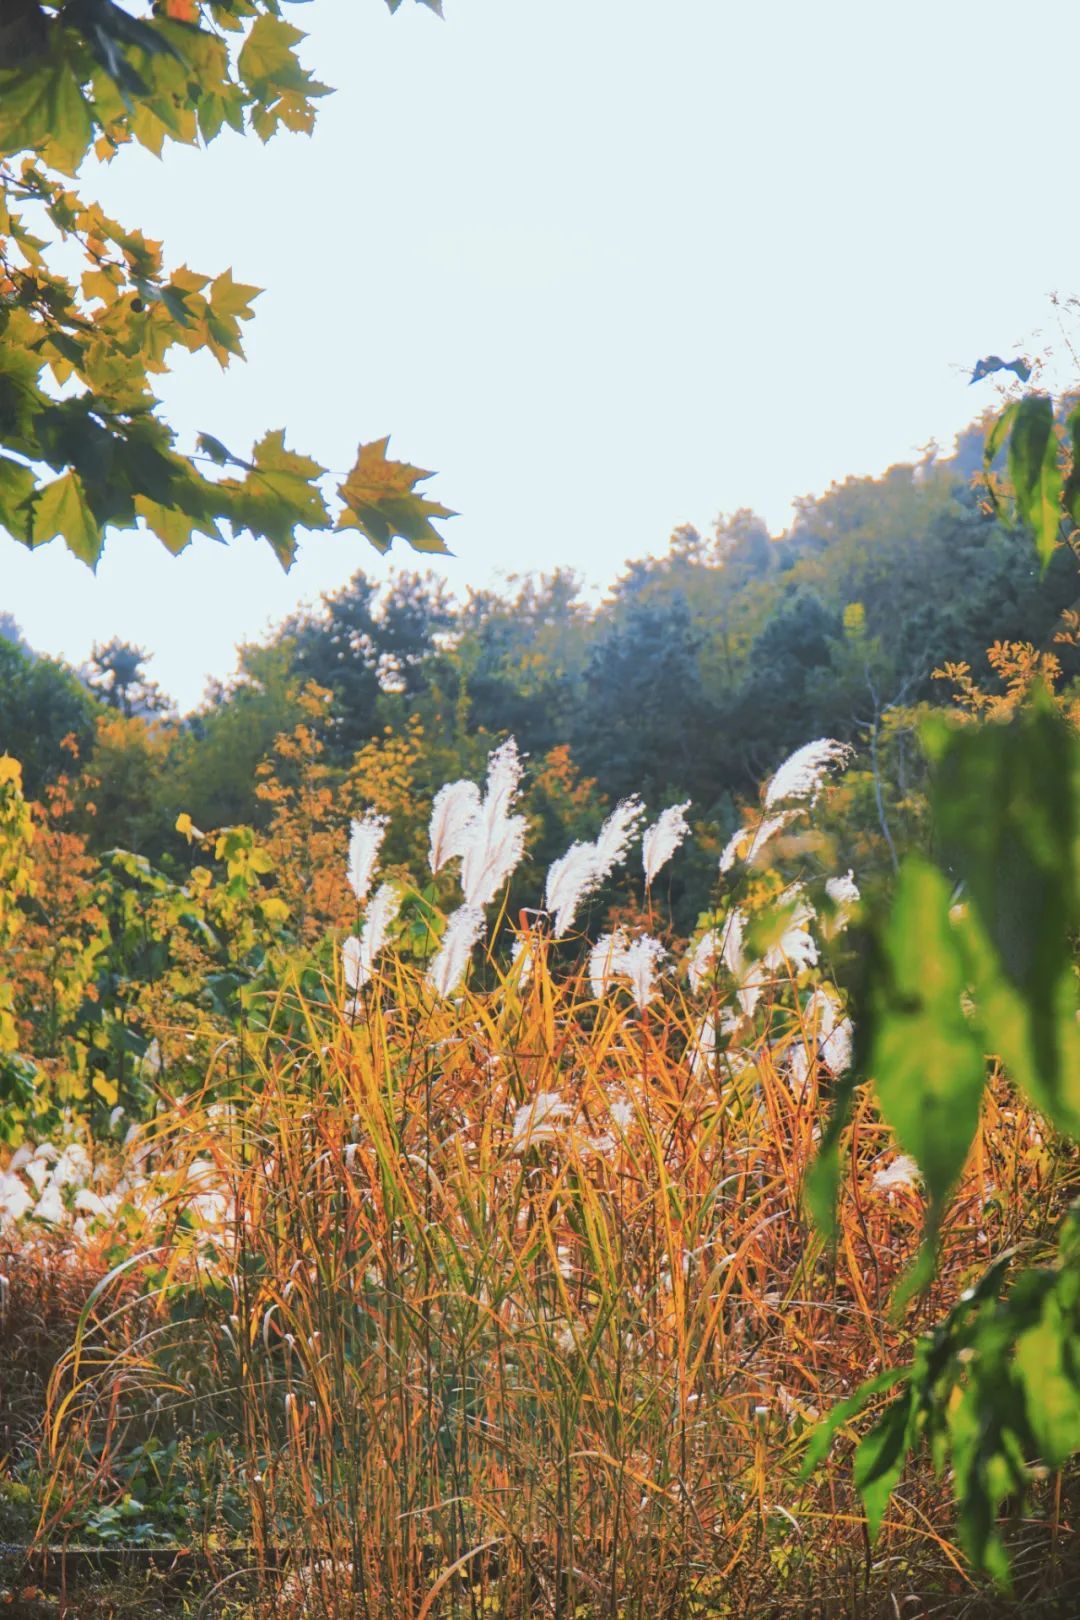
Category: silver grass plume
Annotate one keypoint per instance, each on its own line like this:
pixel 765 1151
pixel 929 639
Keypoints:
pixel 365 841
pixel 640 963
pixel 747 842
pixel 701 1053
pixel 463 929
pixel 796 948
pixel 803 772
pixel 496 842
pixel 604 960
pixel 585 866
pixel 358 955
pixel 660 841
pixel 454 814
pixel 618 833
pixel 703 960
pixel 503 779
pixel 494 850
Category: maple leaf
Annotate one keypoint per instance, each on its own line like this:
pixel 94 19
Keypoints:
pixel 382 502
pixel 62 509
pixel 279 493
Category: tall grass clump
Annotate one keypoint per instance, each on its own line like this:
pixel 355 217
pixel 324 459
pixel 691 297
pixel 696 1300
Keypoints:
pixel 490 1280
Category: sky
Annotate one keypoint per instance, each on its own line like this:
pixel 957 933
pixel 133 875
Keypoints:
pixel 609 266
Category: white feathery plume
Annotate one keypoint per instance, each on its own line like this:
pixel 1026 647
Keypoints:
pixel 495 842
pixel 463 929
pixel 833 1029
pixel 660 841
pixel 604 961
pixel 747 842
pixel 749 976
pixel 493 851
pixel 454 813
pixel 14 1198
pixel 365 842
pixel 352 957
pixel 585 866
pixel 734 933
pixel 703 960
pixel 803 772
pixel 902 1172
pixel 798 1066
pixel 569 880
pixel 837 1049
pixel 358 955
pixel 844 894
pixel 819 1014
pixel 843 891
pixel 617 834
pixel 702 1049
pixel 640 963
pixel 503 779
pixel 622 1112
pixel 796 948
pixel 537 1121
pixel 380 917
pixel 50 1206
pixel 521 957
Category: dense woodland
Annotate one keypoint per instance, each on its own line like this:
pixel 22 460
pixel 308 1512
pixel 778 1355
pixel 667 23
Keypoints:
pixel 698 672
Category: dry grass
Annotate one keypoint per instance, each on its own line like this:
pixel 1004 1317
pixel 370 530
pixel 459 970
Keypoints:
pixel 464 1376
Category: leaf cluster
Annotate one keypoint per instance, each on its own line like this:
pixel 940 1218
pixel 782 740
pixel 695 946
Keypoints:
pixel 83 445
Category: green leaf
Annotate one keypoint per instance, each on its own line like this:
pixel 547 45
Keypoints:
pixel 278 495
pixel 16 489
pixel 1070 495
pixel 998 434
pixel 268 53
pixel 173 527
pixel 62 510
pixel 43 107
pixel 822 1183
pixel 380 501
pixel 879 1460
pixel 925 1055
pixel 232 298
pixel 1006 810
pixel 1048 1361
pixel 821 1436
pixel 1035 470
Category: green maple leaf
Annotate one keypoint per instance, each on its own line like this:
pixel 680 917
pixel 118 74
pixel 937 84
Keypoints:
pixel 232 298
pixel 173 527
pixel 278 495
pixel 268 53
pixel 62 510
pixel 16 489
pixel 44 107
pixel 381 501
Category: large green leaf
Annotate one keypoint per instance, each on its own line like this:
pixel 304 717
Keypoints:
pixel 1008 825
pixel 62 510
pixel 279 493
pixel 382 501
pixel 1035 470
pixel 926 1054
pixel 42 106
pixel 16 489
pixel 880 1459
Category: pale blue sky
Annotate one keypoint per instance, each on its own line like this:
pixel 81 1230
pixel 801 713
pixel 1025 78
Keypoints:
pixel 608 265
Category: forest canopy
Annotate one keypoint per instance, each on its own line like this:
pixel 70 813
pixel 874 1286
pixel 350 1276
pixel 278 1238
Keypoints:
pixel 698 671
